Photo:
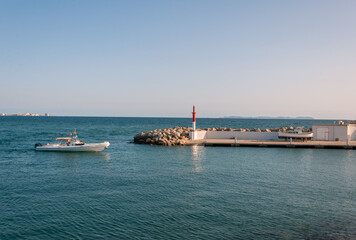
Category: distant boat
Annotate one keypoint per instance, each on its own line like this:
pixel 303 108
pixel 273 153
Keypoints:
pixel 72 144
pixel 297 133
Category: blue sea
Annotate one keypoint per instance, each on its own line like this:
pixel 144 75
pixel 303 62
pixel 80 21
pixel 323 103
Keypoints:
pixel 132 191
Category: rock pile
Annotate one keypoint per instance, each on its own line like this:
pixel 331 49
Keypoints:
pixel 176 136
pixel 179 136
pixel 282 129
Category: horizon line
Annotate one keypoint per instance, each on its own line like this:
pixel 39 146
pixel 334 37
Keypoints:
pixel 225 117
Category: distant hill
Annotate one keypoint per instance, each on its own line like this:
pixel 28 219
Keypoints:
pixel 268 117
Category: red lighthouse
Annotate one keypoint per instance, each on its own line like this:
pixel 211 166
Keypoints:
pixel 194 124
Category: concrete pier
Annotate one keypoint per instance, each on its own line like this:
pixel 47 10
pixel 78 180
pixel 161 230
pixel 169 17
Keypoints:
pixel 281 144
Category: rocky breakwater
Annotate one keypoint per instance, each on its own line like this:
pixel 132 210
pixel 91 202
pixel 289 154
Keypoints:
pixel 281 129
pixel 177 136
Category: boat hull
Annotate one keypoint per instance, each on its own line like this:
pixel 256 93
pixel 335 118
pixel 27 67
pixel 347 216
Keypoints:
pixel 88 147
pixel 295 135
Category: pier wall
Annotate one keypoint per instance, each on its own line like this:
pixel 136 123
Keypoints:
pixel 321 132
pixel 235 134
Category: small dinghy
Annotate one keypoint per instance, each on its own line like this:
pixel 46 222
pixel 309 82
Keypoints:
pixel 72 144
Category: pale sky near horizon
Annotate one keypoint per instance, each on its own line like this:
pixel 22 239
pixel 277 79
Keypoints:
pixel 158 58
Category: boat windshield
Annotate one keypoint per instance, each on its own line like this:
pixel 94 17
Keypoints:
pixel 63 139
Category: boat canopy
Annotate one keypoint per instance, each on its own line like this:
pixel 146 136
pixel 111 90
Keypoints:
pixel 63 138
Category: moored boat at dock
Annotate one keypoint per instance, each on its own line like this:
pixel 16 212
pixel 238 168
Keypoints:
pixel 296 133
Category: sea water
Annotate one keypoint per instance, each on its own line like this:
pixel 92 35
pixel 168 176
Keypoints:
pixel 132 191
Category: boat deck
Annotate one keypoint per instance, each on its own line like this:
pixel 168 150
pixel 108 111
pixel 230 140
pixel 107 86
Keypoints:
pixel 277 143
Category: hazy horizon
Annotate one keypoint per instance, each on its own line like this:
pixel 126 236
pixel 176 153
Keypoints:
pixel 158 58
pixel 189 117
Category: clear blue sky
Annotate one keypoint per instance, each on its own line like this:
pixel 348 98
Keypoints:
pixel 157 58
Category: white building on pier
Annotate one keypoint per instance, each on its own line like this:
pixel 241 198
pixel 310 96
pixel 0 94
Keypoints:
pixel 334 132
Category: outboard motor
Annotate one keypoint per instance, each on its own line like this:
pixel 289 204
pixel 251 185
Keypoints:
pixel 38 145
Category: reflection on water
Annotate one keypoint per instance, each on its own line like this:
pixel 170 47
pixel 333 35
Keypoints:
pixel 91 155
pixel 81 155
pixel 306 160
pixel 349 165
pixel 197 156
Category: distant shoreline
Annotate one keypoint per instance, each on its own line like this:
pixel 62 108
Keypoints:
pixel 25 115
pixel 266 117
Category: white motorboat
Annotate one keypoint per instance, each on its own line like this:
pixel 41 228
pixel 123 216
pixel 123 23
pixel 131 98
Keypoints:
pixel 297 133
pixel 72 144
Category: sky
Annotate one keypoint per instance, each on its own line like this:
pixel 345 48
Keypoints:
pixel 158 58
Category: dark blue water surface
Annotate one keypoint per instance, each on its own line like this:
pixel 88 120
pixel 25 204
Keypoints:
pixel 134 191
